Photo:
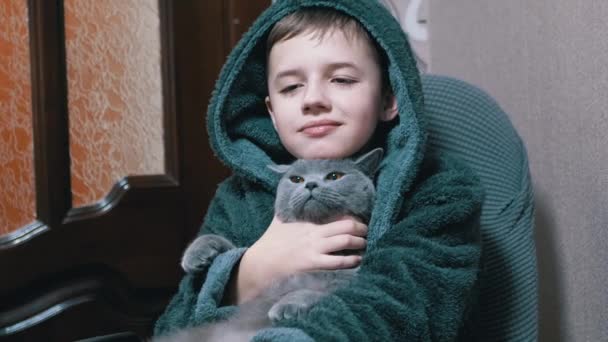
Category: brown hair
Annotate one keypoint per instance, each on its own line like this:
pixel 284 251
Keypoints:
pixel 321 21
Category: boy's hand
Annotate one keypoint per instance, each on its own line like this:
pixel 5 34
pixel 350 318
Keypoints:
pixel 288 248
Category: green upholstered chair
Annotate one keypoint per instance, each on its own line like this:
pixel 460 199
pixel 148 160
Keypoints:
pixel 465 121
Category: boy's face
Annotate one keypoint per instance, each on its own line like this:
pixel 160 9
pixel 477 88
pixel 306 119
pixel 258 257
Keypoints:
pixel 325 96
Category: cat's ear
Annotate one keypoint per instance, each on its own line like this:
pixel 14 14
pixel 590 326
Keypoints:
pixel 280 169
pixel 369 162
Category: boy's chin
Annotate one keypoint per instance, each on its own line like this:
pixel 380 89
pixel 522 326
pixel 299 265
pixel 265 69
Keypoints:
pixel 323 153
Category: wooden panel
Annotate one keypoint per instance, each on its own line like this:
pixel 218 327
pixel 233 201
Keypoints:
pixel 241 15
pixel 112 266
pixel 135 234
pixel 199 56
pixel 49 101
pixel 89 304
pixel 196 40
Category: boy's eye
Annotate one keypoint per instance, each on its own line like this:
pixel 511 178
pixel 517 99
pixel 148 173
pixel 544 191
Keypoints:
pixel 343 80
pixel 289 88
pixel 296 179
pixel 334 176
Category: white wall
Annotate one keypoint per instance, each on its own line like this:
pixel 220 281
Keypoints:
pixel 546 63
pixel 413 17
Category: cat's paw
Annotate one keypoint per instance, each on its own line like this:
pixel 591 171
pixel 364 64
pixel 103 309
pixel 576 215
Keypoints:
pixel 294 305
pixel 288 310
pixel 202 251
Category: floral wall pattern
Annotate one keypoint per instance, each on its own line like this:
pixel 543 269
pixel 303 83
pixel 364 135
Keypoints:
pixel 17 194
pixel 115 93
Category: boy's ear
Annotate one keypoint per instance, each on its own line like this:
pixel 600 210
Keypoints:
pixel 270 111
pixel 390 110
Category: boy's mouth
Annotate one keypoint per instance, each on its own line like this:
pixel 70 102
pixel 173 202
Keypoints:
pixel 319 128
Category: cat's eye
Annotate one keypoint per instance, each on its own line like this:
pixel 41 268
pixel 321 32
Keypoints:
pixel 296 179
pixel 334 176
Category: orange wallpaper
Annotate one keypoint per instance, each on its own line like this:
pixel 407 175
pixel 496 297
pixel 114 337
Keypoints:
pixel 115 95
pixel 17 197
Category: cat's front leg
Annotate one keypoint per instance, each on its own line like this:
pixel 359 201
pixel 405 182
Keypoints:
pixel 294 304
pixel 203 250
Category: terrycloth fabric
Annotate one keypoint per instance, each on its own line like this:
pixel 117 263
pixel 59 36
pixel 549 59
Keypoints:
pixel 419 271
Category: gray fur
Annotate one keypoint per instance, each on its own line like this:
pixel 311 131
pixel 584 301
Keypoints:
pixel 324 202
pixel 353 194
pixel 203 250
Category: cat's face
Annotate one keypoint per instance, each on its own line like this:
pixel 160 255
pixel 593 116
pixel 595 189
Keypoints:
pixel 321 191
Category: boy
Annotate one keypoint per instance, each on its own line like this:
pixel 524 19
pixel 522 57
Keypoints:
pixel 327 65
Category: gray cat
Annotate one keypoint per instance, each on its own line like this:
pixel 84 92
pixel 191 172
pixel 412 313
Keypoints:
pixel 316 191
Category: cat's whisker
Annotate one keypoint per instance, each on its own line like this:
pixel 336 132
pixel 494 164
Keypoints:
pixel 331 198
pixel 325 197
pixel 298 199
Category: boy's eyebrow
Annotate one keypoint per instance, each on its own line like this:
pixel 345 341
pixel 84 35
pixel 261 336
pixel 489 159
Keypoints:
pixel 285 73
pixel 330 67
pixel 342 65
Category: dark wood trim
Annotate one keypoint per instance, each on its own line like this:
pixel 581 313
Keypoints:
pixel 226 43
pixel 241 15
pixel 51 124
pixel 50 111
pixel 199 52
pixel 22 234
pixel 112 266
pixel 169 83
pixel 136 231
pixel 44 306
pixel 137 187
pixel 135 310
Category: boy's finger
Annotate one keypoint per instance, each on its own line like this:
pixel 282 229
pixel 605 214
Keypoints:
pixel 346 217
pixel 343 227
pixel 342 242
pixel 337 262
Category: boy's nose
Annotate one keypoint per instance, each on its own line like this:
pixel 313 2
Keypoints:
pixel 315 101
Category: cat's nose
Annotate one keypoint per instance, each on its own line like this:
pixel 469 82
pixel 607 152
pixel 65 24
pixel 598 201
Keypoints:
pixel 311 185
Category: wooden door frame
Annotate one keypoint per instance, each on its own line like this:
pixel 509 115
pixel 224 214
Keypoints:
pixel 98 254
pixel 116 260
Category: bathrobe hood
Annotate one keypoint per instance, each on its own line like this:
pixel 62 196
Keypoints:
pixel 241 131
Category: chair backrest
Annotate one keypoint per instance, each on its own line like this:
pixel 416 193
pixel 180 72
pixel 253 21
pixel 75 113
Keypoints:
pixel 464 121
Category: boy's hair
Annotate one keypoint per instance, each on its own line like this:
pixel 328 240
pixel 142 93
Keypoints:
pixel 321 21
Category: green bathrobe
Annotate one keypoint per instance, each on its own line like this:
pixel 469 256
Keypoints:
pixel 418 275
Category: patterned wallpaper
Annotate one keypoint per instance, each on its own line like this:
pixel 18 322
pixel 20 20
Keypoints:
pixel 115 93
pixel 17 196
pixel 115 101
